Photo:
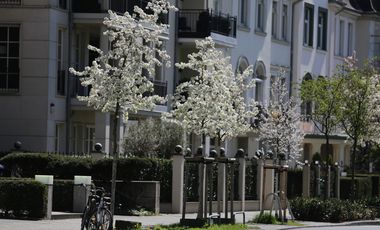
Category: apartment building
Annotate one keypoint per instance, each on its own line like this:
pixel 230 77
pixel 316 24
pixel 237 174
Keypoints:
pixel 40 39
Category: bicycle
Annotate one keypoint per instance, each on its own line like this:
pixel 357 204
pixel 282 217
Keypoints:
pixel 96 215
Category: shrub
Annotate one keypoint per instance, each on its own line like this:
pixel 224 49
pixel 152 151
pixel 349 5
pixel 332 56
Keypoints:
pixel 265 218
pixel 23 198
pixel 30 164
pixel 330 210
pixel 63 195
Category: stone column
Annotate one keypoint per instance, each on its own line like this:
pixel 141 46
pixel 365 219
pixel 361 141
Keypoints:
pixel 317 178
pixel 221 187
pixel 241 182
pixel 82 186
pixel 306 180
pixel 47 180
pixel 178 165
pixel 337 180
pixel 328 181
pixel 102 130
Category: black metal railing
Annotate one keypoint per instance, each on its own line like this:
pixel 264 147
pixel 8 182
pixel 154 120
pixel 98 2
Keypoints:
pixel 10 2
pixel 160 88
pixel 121 7
pixel 86 6
pixel 200 23
pixel 76 89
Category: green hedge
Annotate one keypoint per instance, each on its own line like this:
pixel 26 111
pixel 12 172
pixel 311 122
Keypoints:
pixel 363 187
pixel 63 195
pixel 330 210
pixel 23 198
pixel 65 167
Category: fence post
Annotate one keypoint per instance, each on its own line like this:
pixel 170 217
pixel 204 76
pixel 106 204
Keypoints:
pixel 178 163
pixel 260 182
pixel 82 185
pixel 317 179
pixel 306 179
pixel 328 182
pixel 221 184
pixel 241 182
pixel 48 180
pixel 337 180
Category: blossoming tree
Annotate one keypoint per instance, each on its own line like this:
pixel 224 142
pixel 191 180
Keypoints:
pixel 359 105
pixel 212 102
pixel 280 130
pixel 119 77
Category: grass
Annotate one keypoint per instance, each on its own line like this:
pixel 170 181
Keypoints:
pixel 208 227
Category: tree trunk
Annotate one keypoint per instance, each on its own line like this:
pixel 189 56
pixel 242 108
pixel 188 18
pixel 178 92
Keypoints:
pixel 353 159
pixel 114 158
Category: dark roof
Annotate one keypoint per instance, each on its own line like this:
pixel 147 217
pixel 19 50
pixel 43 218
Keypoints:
pixel 366 6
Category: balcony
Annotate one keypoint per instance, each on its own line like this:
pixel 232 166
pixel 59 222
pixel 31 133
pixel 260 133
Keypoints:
pixel 200 24
pixel 76 89
pixel 160 88
pixel 10 2
pixel 86 6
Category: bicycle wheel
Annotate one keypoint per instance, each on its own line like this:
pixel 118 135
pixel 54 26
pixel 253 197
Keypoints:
pixel 105 219
pixel 92 221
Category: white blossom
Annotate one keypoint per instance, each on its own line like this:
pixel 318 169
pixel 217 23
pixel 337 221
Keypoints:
pixel 212 103
pixel 119 77
pixel 281 128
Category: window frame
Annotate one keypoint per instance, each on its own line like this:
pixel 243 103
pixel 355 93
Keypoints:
pixel 243 13
pixel 308 25
pixel 284 22
pixel 342 25
pixel 350 38
pixel 274 28
pixel 322 29
pixel 15 44
pixel 61 64
pixel 260 15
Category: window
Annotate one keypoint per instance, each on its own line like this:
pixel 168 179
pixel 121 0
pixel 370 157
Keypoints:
pixel 308 25
pixel 274 19
pixel 350 38
pixel 243 12
pixel 61 73
pixel 89 139
pixel 306 106
pixel 259 78
pixel 63 4
pixel 322 29
pixel 341 38
pixel 9 59
pixel 260 15
pixel 59 137
pixel 284 34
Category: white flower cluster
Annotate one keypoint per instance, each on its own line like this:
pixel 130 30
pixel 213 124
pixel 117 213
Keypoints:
pixel 119 77
pixel 212 103
pixel 281 128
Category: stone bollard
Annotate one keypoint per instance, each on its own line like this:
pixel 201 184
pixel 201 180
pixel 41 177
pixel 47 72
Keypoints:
pixel 82 186
pixel 48 180
pixel 337 180
pixel 306 180
pixel 221 184
pixel 178 164
pixel 241 182
pixel 317 179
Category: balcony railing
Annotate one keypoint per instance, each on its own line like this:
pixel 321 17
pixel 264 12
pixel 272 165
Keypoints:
pixel 200 23
pixel 10 2
pixel 76 88
pixel 160 88
pixel 86 6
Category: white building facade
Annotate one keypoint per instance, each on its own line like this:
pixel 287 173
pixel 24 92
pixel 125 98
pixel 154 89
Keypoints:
pixel 40 39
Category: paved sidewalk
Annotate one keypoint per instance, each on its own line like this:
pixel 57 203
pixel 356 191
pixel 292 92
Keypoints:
pixel 164 219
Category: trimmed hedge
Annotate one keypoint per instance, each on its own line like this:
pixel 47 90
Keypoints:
pixel 23 198
pixel 65 167
pixel 330 210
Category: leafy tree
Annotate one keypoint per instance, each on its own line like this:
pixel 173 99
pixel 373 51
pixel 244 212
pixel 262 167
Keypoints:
pixel 359 105
pixel 152 138
pixel 211 103
pixel 117 76
pixel 324 93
